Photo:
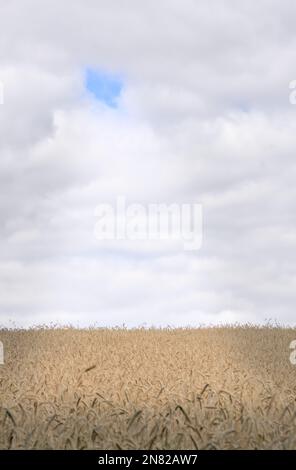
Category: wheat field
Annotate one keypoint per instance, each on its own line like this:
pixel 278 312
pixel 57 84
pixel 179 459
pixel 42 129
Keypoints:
pixel 206 388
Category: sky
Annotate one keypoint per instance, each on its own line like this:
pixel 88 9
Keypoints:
pixel 103 86
pixel 160 102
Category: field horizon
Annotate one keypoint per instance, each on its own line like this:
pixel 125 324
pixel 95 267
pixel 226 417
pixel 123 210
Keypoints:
pixel 214 387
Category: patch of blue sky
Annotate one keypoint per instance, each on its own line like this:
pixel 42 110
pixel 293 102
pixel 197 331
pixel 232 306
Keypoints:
pixel 103 86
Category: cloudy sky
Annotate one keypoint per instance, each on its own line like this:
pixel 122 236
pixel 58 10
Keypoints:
pixel 161 101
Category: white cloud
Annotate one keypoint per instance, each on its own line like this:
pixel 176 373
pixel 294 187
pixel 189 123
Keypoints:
pixel 204 116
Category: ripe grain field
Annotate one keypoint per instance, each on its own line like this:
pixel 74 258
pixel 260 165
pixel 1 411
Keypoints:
pixel 207 388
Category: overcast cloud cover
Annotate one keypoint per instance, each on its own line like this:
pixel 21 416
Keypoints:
pixel 203 116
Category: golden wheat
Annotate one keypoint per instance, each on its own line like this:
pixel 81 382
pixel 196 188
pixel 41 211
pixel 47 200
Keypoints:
pixel 207 388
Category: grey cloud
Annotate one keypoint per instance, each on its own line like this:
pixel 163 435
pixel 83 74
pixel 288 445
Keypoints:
pixel 204 116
